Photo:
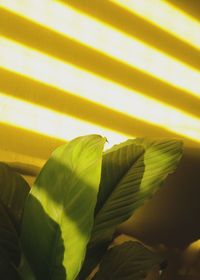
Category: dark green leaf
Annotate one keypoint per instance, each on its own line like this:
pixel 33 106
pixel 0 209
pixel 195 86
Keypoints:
pixel 13 192
pixel 131 173
pixel 9 243
pixel 8 270
pixel 25 269
pixel 128 261
pixel 59 212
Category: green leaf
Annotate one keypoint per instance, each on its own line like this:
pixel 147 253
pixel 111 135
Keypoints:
pixel 13 193
pixel 25 270
pixel 128 261
pixel 59 212
pixel 131 173
pixel 9 242
pixel 116 163
pixel 7 270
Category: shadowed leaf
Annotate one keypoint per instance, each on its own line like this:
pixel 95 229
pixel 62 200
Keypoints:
pixel 128 261
pixel 13 193
pixel 9 243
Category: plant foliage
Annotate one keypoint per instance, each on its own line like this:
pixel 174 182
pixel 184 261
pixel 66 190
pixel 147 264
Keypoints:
pixel 131 173
pixel 62 228
pixel 128 261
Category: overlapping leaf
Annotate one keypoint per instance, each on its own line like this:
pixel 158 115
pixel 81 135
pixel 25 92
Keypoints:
pixel 128 261
pixel 59 212
pixel 131 173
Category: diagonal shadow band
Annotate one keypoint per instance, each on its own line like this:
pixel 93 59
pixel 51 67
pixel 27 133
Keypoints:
pixel 190 7
pixel 38 93
pixel 137 27
pixel 70 51
pixel 28 143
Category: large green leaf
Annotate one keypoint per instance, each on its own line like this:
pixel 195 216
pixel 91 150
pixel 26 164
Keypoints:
pixel 131 173
pixel 59 212
pixel 13 192
pixel 128 261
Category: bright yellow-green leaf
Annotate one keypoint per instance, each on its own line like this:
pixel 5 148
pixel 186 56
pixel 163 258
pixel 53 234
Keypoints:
pixel 59 212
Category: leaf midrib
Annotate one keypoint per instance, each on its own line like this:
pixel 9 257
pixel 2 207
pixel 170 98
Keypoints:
pixel 123 175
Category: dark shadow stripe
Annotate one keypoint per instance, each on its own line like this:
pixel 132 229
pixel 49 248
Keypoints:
pixel 191 7
pixel 137 27
pixel 25 142
pixel 52 43
pixel 37 93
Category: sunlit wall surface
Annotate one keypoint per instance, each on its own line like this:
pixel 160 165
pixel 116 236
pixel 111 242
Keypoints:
pixel 117 68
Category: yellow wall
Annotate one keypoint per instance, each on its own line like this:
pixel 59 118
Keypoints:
pixel 77 67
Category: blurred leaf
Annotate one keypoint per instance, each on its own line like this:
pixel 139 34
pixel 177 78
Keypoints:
pixel 25 270
pixel 128 261
pixel 7 270
pixel 131 173
pixel 13 192
pixel 59 212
